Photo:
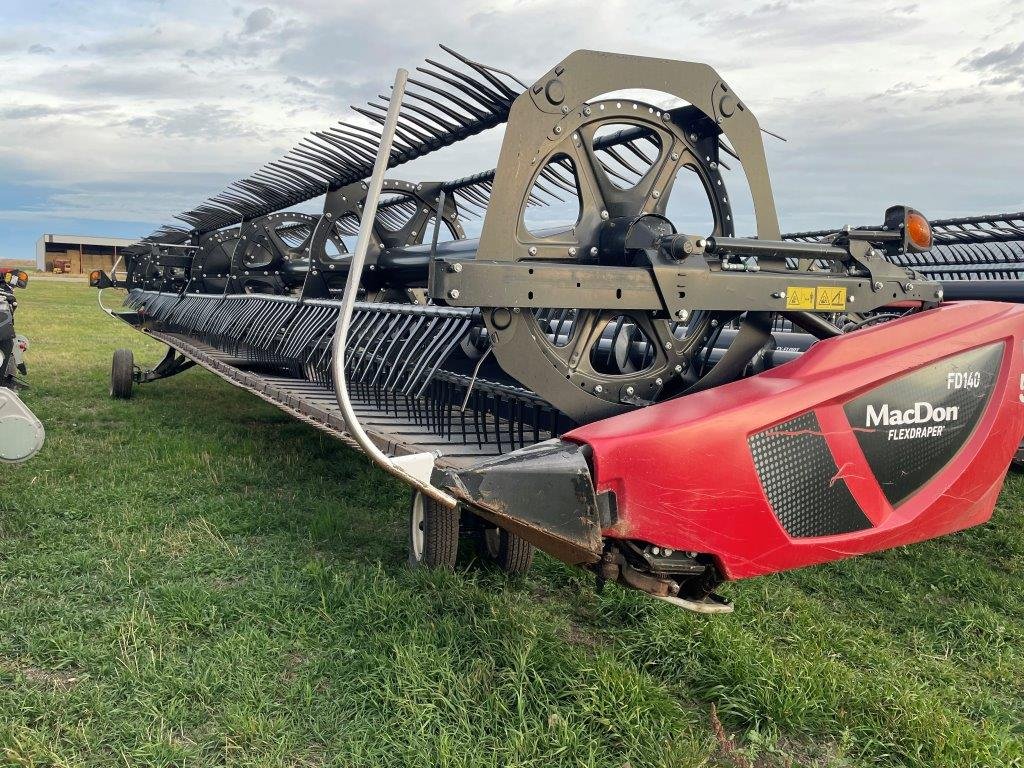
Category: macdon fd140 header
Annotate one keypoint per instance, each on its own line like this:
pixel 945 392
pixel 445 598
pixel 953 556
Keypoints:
pixel 555 386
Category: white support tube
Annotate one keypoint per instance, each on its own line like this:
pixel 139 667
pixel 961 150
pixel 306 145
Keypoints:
pixel 99 293
pixel 404 467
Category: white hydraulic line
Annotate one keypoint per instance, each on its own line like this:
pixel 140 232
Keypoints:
pixel 99 293
pixel 415 469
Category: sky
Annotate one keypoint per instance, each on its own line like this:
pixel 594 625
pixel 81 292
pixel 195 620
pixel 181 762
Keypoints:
pixel 114 116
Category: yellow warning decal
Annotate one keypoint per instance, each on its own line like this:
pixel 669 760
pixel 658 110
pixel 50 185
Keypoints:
pixel 799 298
pixel 830 299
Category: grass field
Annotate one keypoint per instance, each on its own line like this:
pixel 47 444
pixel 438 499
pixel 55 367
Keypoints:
pixel 192 578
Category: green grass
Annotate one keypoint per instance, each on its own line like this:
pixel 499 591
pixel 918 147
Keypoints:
pixel 192 578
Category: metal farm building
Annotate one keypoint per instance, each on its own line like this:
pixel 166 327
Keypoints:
pixel 82 253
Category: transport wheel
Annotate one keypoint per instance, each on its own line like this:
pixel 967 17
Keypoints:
pixel 509 552
pixel 433 534
pixel 122 374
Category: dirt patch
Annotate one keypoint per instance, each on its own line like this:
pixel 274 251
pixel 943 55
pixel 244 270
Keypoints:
pixel 292 662
pixel 577 634
pixel 58 679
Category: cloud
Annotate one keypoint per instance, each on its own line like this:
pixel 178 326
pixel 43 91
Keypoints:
pixel 201 121
pixel 44 111
pixel 168 101
pixel 1002 66
pixel 40 49
pixel 140 42
pixel 258 20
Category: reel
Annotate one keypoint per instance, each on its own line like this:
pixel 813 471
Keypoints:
pixel 619 161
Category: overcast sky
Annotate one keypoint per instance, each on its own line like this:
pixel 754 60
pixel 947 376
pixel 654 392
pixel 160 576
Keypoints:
pixel 116 115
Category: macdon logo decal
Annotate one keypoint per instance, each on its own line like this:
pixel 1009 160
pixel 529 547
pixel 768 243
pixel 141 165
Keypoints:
pixel 933 417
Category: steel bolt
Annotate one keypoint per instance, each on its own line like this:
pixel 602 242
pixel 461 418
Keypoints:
pixel 598 389
pixel 682 314
pixel 679 369
pixel 668 345
pixel 533 250
pixel 586 111
pixel 453 293
pixel 565 109
pixel 908 287
pixel 630 391
pixel 558 129
pixel 457 266
pixel 675 155
pixel 658 381
pixel 593 251
pixel 878 286
pixel 604 215
pixel 572 251
pixel 655 194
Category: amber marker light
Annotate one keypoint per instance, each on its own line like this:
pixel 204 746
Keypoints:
pixel 919 231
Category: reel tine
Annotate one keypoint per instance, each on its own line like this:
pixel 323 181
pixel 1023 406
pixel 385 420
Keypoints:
pixel 377 321
pixel 487 73
pixel 391 327
pixel 414 354
pixel 485 102
pixel 439 348
pixel 489 99
pixel 386 354
pixel 476 112
pixel 399 363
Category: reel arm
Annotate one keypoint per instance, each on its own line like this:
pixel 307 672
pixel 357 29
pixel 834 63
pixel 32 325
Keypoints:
pixel 685 273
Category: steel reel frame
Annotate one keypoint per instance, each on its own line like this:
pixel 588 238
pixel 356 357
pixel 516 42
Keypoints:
pixel 343 208
pixel 687 138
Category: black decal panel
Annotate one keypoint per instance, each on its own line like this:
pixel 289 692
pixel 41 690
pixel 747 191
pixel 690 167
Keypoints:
pixel 910 428
pixel 802 482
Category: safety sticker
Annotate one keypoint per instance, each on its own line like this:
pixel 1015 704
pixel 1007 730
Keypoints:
pixel 799 298
pixel 829 298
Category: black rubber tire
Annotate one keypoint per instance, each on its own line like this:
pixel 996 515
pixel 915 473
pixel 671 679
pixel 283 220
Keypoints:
pixel 437 545
pixel 122 374
pixel 509 552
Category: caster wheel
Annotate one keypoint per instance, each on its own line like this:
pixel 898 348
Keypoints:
pixel 433 534
pixel 510 553
pixel 122 374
